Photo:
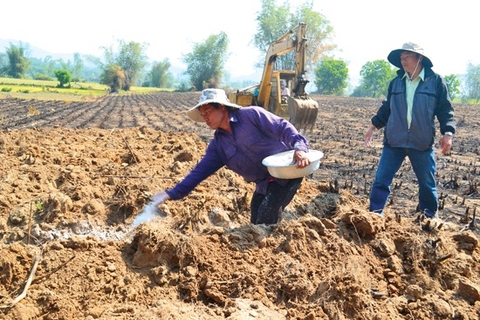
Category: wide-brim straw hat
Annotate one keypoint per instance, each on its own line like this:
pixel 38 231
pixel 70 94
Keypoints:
pixel 210 96
pixel 394 56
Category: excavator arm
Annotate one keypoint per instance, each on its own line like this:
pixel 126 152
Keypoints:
pixel 279 47
pixel 301 109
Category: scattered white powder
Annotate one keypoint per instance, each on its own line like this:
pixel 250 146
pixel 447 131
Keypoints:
pixel 148 213
pixel 106 233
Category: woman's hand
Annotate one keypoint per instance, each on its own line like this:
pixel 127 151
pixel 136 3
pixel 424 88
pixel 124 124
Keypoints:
pixel 160 197
pixel 300 158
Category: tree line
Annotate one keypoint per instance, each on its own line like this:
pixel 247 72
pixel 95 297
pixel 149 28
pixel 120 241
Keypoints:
pixel 126 64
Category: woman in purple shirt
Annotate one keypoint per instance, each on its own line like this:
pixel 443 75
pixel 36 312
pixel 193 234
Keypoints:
pixel 243 137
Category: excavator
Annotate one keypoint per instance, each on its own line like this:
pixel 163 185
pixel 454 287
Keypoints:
pixel 299 107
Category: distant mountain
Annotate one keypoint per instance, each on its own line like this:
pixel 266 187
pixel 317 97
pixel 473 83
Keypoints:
pixel 34 52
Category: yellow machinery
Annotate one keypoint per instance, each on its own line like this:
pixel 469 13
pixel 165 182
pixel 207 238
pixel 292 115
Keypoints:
pixel 301 109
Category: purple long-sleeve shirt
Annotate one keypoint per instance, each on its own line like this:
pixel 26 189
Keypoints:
pixel 256 134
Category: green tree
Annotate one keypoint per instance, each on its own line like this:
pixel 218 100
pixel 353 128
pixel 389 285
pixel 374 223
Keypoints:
pixel 472 82
pixel 93 68
pixel 206 62
pixel 275 20
pixel 160 76
pixel 453 84
pixel 376 75
pixel 3 64
pixel 65 65
pixel 77 67
pixel 43 68
pixel 130 58
pixel 114 77
pixel 319 32
pixel 18 62
pixel 331 76
pixel 64 77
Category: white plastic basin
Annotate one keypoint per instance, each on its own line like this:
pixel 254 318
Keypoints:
pixel 279 165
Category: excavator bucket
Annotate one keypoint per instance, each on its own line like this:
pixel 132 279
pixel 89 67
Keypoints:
pixel 303 112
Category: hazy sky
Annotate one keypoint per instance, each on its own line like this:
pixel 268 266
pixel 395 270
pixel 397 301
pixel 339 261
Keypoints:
pixel 365 30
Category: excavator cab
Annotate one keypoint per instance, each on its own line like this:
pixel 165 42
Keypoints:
pixel 302 109
pixel 281 83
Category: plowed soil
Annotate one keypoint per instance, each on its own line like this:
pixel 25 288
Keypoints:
pixel 73 176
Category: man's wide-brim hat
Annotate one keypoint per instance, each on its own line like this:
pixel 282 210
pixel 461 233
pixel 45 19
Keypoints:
pixel 394 56
pixel 210 96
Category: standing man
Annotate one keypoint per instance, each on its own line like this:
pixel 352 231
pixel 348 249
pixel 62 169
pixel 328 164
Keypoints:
pixel 415 97
pixel 243 137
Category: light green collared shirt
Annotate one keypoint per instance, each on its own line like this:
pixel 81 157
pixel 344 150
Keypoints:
pixel 411 86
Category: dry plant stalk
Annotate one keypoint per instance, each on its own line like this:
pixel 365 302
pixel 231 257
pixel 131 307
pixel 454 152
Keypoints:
pixel 27 285
pixel 134 157
pixel 29 230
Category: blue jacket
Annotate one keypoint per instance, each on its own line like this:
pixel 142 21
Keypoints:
pixel 431 100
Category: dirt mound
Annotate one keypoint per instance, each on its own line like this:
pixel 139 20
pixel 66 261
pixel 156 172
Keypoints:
pixel 68 197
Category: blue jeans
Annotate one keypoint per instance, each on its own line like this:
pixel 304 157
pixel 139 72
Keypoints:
pixel 423 164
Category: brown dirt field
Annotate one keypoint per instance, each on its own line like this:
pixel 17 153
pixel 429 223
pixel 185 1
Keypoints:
pixel 73 176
